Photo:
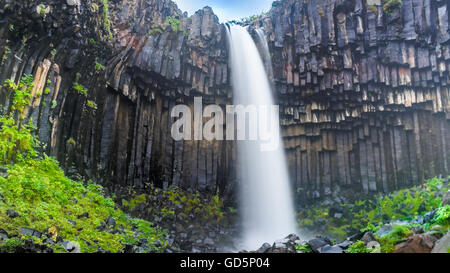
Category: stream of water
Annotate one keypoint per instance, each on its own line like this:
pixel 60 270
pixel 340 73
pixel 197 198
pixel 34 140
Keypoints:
pixel 266 198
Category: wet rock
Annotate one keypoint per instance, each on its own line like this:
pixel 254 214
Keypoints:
pixel 84 215
pixel 30 232
pixel 49 241
pixel 111 222
pixel 355 237
pixel 417 230
pixel 330 249
pixel 3 172
pixel 101 226
pixel 208 241
pixel 73 2
pixel 446 199
pixel 421 243
pixel 71 247
pixel 345 244
pixel 292 238
pixel 12 213
pixel 264 248
pixel 373 245
pixel 317 243
pixel 3 235
pixel 443 245
pixel 368 237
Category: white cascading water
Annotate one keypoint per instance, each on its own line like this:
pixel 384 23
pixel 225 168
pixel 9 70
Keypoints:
pixel 266 199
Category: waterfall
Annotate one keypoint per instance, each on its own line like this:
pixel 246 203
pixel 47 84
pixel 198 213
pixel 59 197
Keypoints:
pixel 266 200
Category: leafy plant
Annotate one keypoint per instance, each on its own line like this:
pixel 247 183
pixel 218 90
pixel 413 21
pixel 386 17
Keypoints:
pixel 155 31
pixel 442 216
pixel 358 247
pixel 92 104
pixel 305 248
pixel 395 236
pixel 174 23
pixel 16 141
pixel 99 67
pixel 80 89
pixel 390 5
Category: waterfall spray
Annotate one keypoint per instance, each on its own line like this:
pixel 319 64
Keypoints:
pixel 266 200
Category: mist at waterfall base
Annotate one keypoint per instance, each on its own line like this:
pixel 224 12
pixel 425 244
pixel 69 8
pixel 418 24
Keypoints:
pixel 265 197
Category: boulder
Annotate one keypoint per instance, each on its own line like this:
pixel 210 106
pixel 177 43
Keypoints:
pixel 73 2
pixel 71 247
pixel 264 248
pixel 345 244
pixel 373 245
pixel 446 199
pixel 317 243
pixel 330 249
pixel 368 237
pixel 420 243
pixel 12 213
pixel 443 245
pixel 30 232
pixel 355 237
pixel 111 222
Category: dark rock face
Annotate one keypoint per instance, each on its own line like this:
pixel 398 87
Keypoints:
pixel 363 92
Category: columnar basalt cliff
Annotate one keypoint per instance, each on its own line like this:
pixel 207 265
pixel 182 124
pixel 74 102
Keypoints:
pixel 362 85
pixel 364 89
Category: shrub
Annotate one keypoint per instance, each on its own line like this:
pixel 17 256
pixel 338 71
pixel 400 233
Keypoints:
pixel 174 23
pixel 358 247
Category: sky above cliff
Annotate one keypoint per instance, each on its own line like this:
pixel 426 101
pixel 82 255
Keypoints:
pixel 227 10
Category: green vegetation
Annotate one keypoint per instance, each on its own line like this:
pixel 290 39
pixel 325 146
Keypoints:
pixel 395 236
pixel 442 216
pixel 369 215
pixel 174 23
pixel 106 20
pixel 358 247
pixel 99 67
pixel 80 89
pixel 92 104
pixel 155 31
pixel 390 5
pixel 16 142
pixel 372 8
pixel 42 9
pixel 304 248
pixel 44 199
pixel 177 204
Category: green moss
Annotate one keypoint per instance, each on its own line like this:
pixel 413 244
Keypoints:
pixel 174 23
pixel 155 31
pixel 10 245
pixel 305 248
pixel 397 235
pixel 49 202
pixel 175 203
pixel 80 88
pixel 442 216
pixel 92 104
pixel 369 215
pixel 358 247
pixel 390 5
pixel 373 8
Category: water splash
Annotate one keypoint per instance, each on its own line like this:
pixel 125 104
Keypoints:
pixel 266 199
